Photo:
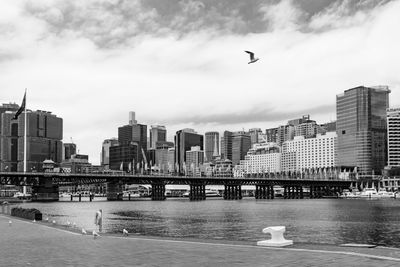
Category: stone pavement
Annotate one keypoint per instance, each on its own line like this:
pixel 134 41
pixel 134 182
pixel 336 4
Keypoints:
pixel 25 243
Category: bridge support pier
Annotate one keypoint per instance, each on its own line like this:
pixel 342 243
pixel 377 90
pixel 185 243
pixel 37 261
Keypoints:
pixel 46 191
pixel 197 192
pixel 158 191
pixel 233 192
pixel 114 190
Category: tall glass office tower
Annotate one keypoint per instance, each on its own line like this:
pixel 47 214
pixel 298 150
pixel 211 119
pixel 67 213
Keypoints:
pixel 361 129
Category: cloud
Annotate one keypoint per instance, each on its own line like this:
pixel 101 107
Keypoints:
pixel 182 63
pixel 263 115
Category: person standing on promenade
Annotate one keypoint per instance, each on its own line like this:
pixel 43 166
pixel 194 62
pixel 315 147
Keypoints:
pixel 98 220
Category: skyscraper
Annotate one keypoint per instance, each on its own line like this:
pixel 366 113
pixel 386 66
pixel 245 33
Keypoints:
pixel 69 149
pixel 184 140
pixel 361 129
pixel 44 135
pixel 211 145
pixel 105 151
pixel 393 124
pixel 241 143
pixel 226 145
pixel 254 133
pixel 157 134
pixel 271 135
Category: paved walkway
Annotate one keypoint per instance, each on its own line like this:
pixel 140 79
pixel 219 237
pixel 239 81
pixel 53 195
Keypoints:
pixel 25 243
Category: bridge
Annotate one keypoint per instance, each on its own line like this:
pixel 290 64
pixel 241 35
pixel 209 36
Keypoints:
pixel 45 185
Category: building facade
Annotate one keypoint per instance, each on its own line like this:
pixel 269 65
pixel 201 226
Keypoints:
pixel 309 153
pixel 105 151
pixel 44 135
pixel 194 158
pixel 69 149
pixel 211 146
pixel 362 129
pixel 262 158
pixel 184 140
pixel 226 145
pixel 285 133
pixel 271 135
pixel 241 143
pixel 158 133
pixel 393 137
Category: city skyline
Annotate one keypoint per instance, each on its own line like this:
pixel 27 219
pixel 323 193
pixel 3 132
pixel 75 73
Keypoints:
pixel 92 74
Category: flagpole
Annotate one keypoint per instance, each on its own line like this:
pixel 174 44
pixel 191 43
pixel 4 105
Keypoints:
pixel 24 187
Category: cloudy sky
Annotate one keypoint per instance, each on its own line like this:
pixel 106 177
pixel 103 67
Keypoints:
pixel 182 63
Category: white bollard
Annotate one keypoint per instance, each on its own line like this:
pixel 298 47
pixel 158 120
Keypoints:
pixel 277 239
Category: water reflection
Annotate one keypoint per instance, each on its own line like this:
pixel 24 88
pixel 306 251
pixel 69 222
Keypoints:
pixel 330 221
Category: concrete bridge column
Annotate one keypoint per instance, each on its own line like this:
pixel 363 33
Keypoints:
pixel 197 192
pixel 311 191
pixel 271 191
pixel 285 192
pixel 114 190
pixel 268 193
pixel 158 191
pixel 301 192
pixel 256 192
pixel 45 191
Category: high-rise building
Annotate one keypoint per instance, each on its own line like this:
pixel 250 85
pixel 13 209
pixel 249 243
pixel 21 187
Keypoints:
pixel 69 149
pixel 226 145
pixel 211 146
pixel 362 129
pixel 254 134
pixel 157 134
pixel 241 143
pixel 105 151
pixel 3 109
pixel 308 129
pixel 271 135
pixel 284 133
pixel 134 133
pixel 393 137
pixel 298 121
pixel 44 135
pixel 194 158
pixel 262 158
pixel 184 140
pixel 309 153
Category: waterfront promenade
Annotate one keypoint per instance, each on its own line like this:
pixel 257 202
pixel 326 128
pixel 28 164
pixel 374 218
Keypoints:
pixel 25 243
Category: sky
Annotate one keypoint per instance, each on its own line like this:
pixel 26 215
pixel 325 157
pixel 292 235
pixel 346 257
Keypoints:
pixel 182 63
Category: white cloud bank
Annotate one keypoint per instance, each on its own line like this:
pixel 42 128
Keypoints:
pixel 91 62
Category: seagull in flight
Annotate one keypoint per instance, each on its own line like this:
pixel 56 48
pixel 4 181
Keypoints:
pixel 125 232
pixel 252 58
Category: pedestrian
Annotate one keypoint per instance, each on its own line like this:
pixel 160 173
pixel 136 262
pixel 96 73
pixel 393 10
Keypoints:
pixel 98 220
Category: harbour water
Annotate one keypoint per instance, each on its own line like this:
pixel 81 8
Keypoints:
pixel 316 221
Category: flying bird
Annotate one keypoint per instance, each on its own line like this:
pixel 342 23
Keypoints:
pixel 125 232
pixel 84 232
pixel 95 234
pixel 252 58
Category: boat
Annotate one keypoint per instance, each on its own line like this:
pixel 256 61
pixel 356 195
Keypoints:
pixel 20 195
pixel 369 193
pixel 212 193
pixel 385 194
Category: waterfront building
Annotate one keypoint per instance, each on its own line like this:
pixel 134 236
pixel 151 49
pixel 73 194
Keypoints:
pixel 223 168
pixel 171 160
pixel 302 153
pixel 299 121
pixel 44 135
pixel 105 151
pixel 211 145
pixel 77 163
pixel 362 129
pixel 69 149
pixel 184 140
pixel 327 127
pixel 194 158
pixel 285 133
pixel 124 158
pixel 393 137
pixel 226 145
pixel 271 135
pixel 3 109
pixel 158 133
pixel 241 143
pixel 262 158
